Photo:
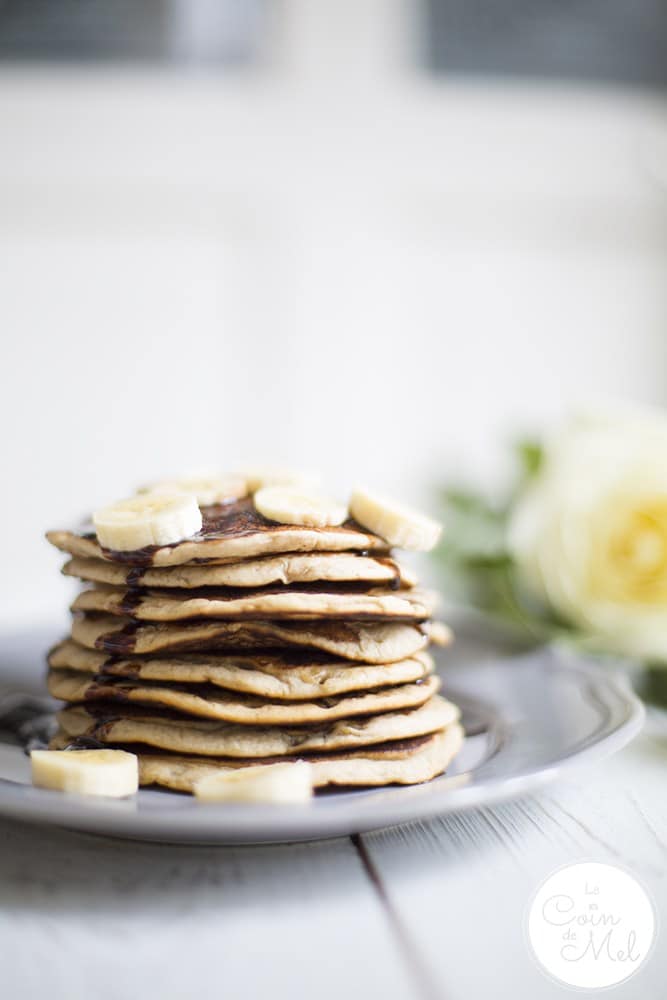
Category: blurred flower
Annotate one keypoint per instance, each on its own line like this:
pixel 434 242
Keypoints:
pixel 578 549
pixel 589 532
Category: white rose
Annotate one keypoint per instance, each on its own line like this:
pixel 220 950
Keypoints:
pixel 589 534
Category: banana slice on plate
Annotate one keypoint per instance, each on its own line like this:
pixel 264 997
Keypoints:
pixel 257 478
pixel 399 525
pixel 270 783
pixel 289 505
pixel 150 519
pixel 206 489
pixel 114 773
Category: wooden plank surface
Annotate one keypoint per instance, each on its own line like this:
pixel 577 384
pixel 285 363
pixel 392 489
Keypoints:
pixel 429 910
pixel 87 918
pixel 460 885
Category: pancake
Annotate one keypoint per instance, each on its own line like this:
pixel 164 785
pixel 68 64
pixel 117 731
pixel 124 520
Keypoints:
pixel 230 532
pixel 310 567
pixel 127 724
pixel 405 762
pixel 306 605
pixel 211 703
pixel 253 642
pixel 370 643
pixel 293 676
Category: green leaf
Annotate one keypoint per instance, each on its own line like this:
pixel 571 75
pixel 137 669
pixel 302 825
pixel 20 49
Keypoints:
pixel 476 567
pixel 654 687
pixel 478 570
pixel 531 457
pixel 473 529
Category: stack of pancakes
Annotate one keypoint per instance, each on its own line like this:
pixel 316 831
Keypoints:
pixel 253 642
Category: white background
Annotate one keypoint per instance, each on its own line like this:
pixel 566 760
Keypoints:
pixel 333 261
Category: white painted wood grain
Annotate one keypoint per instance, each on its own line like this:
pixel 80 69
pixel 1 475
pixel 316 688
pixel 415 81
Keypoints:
pixel 460 885
pixel 84 918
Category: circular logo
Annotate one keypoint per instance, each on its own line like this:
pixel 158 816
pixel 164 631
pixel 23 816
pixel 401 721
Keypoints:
pixel 591 925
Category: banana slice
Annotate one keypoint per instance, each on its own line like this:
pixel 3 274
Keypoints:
pixel 400 525
pixel 439 634
pixel 292 506
pixel 276 783
pixel 151 519
pixel 257 478
pixel 206 489
pixel 114 773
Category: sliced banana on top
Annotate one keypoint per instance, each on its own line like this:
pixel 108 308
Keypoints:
pixel 150 519
pixel 206 489
pixel 290 505
pixel 114 773
pixel 399 525
pixel 275 783
pixel 257 478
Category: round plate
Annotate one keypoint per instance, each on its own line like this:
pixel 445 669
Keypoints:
pixel 527 719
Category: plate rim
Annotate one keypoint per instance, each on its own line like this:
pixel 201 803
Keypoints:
pixel 220 825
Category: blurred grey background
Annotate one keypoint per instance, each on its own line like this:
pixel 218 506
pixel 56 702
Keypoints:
pixel 372 236
pixel 614 40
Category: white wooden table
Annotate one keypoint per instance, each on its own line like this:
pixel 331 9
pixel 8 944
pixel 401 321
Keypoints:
pixel 429 910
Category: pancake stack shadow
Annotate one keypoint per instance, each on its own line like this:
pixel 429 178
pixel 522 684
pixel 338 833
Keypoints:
pixel 253 642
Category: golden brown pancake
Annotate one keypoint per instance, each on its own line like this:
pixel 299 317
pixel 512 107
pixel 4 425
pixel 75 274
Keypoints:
pixel 292 676
pixel 249 643
pixel 402 762
pixel 366 643
pixel 112 724
pixel 288 568
pixel 294 603
pixel 208 702
pixel 230 532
